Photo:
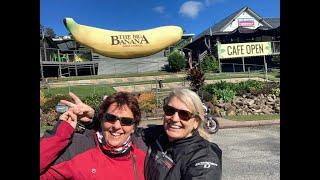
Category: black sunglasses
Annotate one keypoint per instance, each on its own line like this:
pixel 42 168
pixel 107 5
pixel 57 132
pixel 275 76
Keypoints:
pixel 183 114
pixel 124 121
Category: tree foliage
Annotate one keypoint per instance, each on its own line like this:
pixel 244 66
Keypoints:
pixel 50 32
pixel 209 64
pixel 176 61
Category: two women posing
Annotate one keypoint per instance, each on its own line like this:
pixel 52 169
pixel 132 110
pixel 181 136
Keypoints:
pixel 113 147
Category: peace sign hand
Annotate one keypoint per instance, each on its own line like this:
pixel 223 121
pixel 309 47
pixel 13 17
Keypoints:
pixel 84 112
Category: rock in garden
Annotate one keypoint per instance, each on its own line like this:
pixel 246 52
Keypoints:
pixel 257 111
pixel 227 106
pixel 250 102
pixel 270 103
pixel 270 99
pixel 240 103
pixel 220 105
pixel 266 111
pixel 216 111
pixel 230 113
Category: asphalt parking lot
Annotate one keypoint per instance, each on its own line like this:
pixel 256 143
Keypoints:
pixel 250 153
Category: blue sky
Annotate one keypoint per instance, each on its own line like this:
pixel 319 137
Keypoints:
pixel 193 16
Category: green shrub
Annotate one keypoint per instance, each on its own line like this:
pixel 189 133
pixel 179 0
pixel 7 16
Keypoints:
pixel 224 85
pixel 221 90
pixel 51 103
pixel 212 88
pixel 49 118
pixel 276 91
pixel 209 64
pixel 250 86
pixel 224 89
pixel 176 61
pixel 147 102
pixel 267 88
pixel 93 100
pixel 226 95
pixel 43 98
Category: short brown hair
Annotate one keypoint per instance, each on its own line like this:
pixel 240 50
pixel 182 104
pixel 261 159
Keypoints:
pixel 121 98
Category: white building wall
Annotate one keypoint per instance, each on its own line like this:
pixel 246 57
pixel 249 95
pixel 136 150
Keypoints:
pixel 234 24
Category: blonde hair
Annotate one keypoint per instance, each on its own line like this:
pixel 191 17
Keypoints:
pixel 193 103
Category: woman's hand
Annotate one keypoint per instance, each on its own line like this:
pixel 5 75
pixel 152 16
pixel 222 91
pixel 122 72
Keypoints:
pixel 70 117
pixel 84 112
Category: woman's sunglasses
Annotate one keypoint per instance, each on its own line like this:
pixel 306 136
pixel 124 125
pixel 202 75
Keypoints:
pixel 183 114
pixel 124 121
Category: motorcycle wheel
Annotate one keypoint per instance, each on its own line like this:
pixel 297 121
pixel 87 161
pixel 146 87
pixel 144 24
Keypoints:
pixel 211 126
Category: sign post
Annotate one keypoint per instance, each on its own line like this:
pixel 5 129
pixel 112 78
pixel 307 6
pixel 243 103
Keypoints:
pixel 243 67
pixel 218 47
pixel 219 65
pixel 265 67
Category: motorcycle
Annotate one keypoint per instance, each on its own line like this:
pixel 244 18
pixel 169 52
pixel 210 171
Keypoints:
pixel 211 124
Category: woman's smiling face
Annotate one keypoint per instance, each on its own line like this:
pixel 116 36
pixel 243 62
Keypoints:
pixel 175 127
pixel 114 133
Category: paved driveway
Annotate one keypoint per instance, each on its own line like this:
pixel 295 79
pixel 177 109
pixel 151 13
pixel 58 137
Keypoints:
pixel 250 153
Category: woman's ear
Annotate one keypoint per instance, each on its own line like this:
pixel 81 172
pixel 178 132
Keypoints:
pixel 134 127
pixel 196 123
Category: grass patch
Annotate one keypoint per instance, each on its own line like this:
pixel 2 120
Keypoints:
pixel 125 75
pixel 82 91
pixel 254 117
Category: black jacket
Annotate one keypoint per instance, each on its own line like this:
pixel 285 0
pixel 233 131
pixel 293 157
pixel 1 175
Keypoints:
pixel 193 158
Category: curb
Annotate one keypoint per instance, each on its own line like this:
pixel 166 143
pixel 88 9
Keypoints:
pixel 249 124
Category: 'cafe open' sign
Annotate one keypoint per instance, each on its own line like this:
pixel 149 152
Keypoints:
pixel 244 49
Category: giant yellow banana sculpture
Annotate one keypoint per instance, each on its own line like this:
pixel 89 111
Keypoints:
pixel 124 44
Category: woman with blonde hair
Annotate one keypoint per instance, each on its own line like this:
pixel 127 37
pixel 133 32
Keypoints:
pixel 176 149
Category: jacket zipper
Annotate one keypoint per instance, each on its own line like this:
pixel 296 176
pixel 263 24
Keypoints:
pixel 134 167
pixel 164 154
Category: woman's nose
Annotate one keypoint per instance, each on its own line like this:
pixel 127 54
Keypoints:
pixel 117 124
pixel 175 117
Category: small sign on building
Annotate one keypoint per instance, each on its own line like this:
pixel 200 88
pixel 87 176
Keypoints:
pixel 246 22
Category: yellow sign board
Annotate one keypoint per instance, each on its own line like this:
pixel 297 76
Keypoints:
pixel 236 50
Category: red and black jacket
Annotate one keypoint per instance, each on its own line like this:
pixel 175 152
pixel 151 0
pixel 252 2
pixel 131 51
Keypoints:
pixel 68 155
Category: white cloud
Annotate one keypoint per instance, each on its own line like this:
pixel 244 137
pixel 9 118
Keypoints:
pixel 159 9
pixel 210 2
pixel 191 8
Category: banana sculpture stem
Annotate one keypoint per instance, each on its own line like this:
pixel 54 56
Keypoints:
pixel 124 44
